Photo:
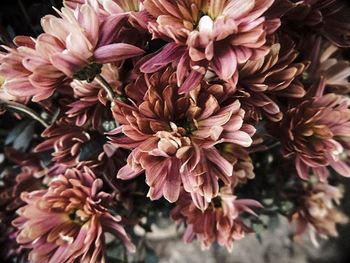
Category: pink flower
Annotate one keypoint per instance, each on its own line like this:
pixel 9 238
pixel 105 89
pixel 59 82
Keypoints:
pixel 74 45
pixel 67 221
pixel 14 77
pixel 173 137
pixel 86 41
pixel 209 34
pixel 316 133
pixel 317 214
pixel 263 81
pixel 220 222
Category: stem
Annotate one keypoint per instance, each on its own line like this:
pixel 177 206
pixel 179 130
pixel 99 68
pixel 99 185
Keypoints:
pixel 105 85
pixel 24 109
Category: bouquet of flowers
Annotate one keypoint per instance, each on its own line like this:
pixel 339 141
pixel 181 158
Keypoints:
pixel 213 114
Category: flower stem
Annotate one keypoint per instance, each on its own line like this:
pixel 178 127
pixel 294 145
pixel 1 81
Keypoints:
pixel 24 109
pixel 105 85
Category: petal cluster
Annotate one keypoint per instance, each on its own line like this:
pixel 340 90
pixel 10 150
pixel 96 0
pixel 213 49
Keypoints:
pixel 220 222
pixel 67 221
pixel 316 132
pixel 173 136
pixel 210 34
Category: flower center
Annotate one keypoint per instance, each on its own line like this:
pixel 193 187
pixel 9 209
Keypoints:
pixel 186 127
pixel 78 217
pixel 89 72
pixel 217 202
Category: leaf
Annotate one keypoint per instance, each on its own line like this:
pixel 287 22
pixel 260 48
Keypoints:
pixel 14 133
pixel 21 135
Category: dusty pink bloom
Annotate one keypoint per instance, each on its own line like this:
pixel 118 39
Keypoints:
pixel 14 77
pixel 74 45
pixel 67 221
pixel 209 34
pixel 264 81
pixel 173 137
pixel 12 184
pixel 86 40
pixel 317 133
pixel 317 213
pixel 220 222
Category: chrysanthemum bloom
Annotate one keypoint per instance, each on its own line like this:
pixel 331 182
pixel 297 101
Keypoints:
pixel 263 81
pixel 317 214
pixel 12 184
pixel 67 221
pixel 329 18
pixel 214 34
pixel 173 137
pixel 90 101
pixel 317 133
pixel 328 64
pixel 243 168
pixel 220 222
pixel 74 45
pixel 65 139
pixel 87 41
pixel 14 77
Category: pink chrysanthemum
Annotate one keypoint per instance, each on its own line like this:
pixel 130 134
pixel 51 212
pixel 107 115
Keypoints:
pixel 316 132
pixel 210 34
pixel 74 45
pixel 173 137
pixel 14 76
pixel 317 213
pixel 67 221
pixel 220 222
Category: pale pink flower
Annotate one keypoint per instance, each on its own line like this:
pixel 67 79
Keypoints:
pixel 14 77
pixel 316 212
pixel 209 34
pixel 220 222
pixel 86 40
pixel 316 133
pixel 67 221
pixel 74 45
